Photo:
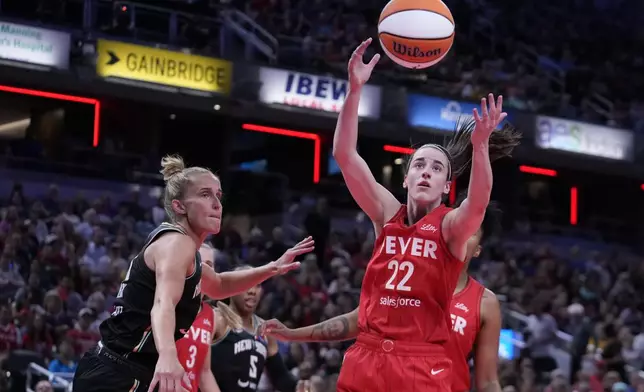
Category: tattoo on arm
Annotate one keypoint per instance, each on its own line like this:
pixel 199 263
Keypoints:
pixel 336 328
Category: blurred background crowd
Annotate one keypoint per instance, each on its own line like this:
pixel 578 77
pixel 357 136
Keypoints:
pixel 572 292
pixel 575 309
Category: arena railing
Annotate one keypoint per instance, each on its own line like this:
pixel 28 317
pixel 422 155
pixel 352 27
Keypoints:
pixel 60 381
pixel 561 352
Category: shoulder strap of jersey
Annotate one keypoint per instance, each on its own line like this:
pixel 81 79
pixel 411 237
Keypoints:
pixel 162 228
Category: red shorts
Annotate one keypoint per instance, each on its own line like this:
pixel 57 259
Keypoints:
pixel 374 364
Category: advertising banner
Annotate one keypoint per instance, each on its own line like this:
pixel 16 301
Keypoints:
pixel 439 113
pixel 314 92
pixel 583 138
pixel 34 45
pixel 176 69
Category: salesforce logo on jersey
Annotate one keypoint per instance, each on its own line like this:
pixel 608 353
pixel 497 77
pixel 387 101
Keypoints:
pixel 438 113
pixel 314 92
pixel 34 45
pixel 583 138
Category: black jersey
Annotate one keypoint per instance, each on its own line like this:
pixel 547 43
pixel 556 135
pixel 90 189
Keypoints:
pixel 238 360
pixel 129 329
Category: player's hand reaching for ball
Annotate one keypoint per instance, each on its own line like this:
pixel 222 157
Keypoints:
pixel 274 328
pixel 359 72
pixel 169 375
pixel 285 263
pixel 488 120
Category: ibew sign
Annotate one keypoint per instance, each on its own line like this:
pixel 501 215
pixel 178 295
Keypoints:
pixel 314 92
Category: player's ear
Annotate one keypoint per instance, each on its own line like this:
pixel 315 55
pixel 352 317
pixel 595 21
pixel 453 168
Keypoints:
pixel 405 182
pixel 448 187
pixel 178 207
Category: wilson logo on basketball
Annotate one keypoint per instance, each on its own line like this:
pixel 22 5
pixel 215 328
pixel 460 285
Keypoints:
pixel 415 51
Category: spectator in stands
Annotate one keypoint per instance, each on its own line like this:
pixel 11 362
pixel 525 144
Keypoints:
pixel 581 329
pixel 82 337
pixel 558 382
pixel 44 386
pixel 39 336
pixel 542 329
pixel 65 360
pixel 10 336
pixel 612 352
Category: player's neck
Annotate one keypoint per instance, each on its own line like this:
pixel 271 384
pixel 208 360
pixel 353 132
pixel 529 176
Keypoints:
pixel 462 282
pixel 247 320
pixel 416 212
pixel 196 238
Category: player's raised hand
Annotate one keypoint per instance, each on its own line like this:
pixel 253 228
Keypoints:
pixel 359 72
pixel 487 122
pixel 169 375
pixel 274 328
pixel 285 263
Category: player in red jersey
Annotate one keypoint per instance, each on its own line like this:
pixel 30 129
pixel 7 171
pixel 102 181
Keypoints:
pixel 193 351
pixel 403 317
pixel 476 323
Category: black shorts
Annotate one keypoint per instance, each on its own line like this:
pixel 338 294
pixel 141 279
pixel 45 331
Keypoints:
pixel 96 372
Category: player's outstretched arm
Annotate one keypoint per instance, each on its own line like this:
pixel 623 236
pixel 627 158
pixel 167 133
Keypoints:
pixel 374 199
pixel 207 382
pixel 227 284
pixel 339 328
pixel 486 352
pixel 461 223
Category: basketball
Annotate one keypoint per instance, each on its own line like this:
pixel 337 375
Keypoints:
pixel 416 33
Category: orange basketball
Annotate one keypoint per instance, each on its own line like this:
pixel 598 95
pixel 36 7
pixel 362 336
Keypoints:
pixel 416 33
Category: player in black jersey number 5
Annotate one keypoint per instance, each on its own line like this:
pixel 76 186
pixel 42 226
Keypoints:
pixel 161 293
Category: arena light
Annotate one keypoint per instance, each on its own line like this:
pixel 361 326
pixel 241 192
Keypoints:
pixel 573 205
pixel 398 150
pixel 63 97
pixel 317 148
pixel 538 171
pixel 642 186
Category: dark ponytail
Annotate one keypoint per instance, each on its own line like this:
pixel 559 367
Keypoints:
pixel 459 149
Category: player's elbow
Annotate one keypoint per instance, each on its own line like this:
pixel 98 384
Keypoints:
pixel 162 306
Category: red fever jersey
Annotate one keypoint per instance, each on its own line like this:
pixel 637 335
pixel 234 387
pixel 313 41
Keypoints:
pixel 193 347
pixel 466 323
pixel 409 281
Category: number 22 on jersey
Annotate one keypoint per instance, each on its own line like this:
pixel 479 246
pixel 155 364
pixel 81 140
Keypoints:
pixel 406 268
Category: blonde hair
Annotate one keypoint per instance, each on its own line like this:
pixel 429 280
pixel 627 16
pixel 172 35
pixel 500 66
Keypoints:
pixel 233 320
pixel 177 178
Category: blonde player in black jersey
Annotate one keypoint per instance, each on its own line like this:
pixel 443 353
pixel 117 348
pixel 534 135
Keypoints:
pixel 161 293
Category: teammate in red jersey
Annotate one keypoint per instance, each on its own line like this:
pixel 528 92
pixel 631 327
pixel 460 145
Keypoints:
pixel 403 317
pixel 476 322
pixel 193 351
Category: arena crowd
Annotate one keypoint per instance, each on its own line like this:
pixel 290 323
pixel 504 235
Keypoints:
pixel 62 261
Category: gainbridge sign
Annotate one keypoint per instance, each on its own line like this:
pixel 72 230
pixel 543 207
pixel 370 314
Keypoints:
pixel 164 67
